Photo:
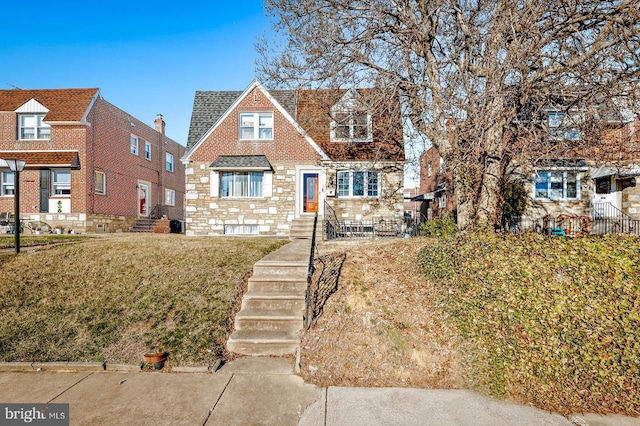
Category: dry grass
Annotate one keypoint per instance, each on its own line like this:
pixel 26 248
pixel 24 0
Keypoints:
pixel 383 326
pixel 116 297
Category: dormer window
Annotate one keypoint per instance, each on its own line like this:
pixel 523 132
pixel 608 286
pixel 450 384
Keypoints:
pixel 350 121
pixel 32 127
pixel 351 126
pixel 558 126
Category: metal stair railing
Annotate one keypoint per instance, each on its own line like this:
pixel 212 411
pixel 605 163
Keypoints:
pixel 608 219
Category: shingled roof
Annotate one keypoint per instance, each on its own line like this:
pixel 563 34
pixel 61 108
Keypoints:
pixel 237 162
pixel 50 158
pixel 63 104
pixel 209 106
pixel 311 109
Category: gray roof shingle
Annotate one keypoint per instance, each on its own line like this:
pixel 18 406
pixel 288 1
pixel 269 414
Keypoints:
pixel 255 162
pixel 209 106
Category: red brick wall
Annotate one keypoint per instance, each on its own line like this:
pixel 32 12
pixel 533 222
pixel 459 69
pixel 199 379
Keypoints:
pixel 288 144
pixel 110 142
pixel 104 146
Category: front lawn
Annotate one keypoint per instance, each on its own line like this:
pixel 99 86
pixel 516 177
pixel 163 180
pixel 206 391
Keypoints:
pixel 549 321
pixel 114 298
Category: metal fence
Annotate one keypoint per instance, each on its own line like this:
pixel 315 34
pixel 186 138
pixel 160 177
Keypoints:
pixel 605 219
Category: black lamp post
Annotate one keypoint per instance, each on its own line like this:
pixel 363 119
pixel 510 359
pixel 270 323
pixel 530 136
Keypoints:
pixel 16 166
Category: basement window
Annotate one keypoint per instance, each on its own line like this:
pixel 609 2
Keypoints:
pixel 241 229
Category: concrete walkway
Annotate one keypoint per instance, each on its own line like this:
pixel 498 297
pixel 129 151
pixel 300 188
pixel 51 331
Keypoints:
pixel 260 391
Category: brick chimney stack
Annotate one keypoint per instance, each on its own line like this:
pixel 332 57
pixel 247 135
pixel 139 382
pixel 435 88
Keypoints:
pixel 159 124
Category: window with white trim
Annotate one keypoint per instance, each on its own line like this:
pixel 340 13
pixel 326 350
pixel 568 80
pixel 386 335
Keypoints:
pixel 169 162
pixel 358 184
pixel 7 184
pixel 557 185
pixel 32 127
pixel 351 126
pixel 147 150
pixel 60 182
pixel 133 147
pixel 256 125
pixel 101 182
pixel 241 184
pixel 241 229
pixel 559 126
pixel 170 197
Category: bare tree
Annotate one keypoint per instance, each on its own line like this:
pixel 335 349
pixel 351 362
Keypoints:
pixel 474 75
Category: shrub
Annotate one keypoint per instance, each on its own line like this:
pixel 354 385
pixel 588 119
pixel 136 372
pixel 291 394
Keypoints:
pixel 441 227
pixel 546 320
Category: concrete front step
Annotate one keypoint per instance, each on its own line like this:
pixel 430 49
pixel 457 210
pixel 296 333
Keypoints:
pixel 287 320
pixel 278 269
pixel 255 299
pixel 289 284
pixel 250 342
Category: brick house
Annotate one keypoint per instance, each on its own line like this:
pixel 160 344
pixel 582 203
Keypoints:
pixel 257 159
pixel 594 175
pixel 90 166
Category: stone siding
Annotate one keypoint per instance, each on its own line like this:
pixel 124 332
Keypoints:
pixel 83 223
pixel 207 215
pixel 389 205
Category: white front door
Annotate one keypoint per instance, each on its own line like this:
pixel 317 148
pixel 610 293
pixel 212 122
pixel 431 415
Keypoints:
pixel 144 199
pixel 607 191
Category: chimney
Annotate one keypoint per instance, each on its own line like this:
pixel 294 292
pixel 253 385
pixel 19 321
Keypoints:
pixel 159 124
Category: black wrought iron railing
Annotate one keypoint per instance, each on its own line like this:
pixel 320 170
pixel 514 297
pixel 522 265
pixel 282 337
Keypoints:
pixel 375 227
pixel 159 211
pixel 309 293
pixel 605 219
pixel 608 219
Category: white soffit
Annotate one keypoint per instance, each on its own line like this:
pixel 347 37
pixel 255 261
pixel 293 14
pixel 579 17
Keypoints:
pixel 33 106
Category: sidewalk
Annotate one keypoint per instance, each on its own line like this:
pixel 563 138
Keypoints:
pixel 260 391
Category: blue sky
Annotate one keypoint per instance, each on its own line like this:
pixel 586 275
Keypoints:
pixel 146 57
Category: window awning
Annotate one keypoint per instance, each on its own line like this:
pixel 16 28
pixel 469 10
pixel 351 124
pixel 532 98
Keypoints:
pixel 624 171
pixel 43 159
pixel 429 196
pixel 241 162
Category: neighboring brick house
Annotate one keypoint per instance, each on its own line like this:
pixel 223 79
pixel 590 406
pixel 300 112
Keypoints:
pixel 599 174
pixel 436 187
pixel 258 159
pixel 89 165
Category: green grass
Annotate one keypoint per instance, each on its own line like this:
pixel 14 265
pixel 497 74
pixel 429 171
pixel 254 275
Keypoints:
pixel 550 321
pixel 117 297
